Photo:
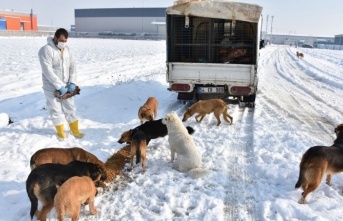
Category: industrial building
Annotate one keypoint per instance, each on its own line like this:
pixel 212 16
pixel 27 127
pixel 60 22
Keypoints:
pixel 339 39
pixel 121 21
pixel 17 21
pixel 298 40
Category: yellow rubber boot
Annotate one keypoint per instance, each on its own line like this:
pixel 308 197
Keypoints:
pixel 74 127
pixel 60 131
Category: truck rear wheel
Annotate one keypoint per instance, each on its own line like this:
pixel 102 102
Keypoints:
pixel 247 101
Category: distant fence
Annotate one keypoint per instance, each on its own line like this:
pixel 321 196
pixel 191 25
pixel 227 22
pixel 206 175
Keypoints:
pixel 80 35
pixel 331 47
pixel 26 33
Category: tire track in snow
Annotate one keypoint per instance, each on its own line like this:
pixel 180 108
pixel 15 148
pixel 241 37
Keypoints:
pixel 282 88
pixel 239 203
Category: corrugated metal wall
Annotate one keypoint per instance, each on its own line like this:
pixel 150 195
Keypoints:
pixel 121 20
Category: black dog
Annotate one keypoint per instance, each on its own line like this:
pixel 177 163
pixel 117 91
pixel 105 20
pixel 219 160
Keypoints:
pixel 152 129
pixel 43 181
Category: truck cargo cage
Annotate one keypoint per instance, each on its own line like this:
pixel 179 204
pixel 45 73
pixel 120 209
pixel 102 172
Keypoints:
pixel 210 40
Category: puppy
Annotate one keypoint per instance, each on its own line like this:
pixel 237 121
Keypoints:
pixel 63 156
pixel 148 111
pixel 138 148
pixel 152 129
pixel 74 192
pixel 42 182
pixel 180 142
pixel 203 107
pixel 318 161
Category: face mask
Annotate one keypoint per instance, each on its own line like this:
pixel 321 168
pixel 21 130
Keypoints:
pixel 61 45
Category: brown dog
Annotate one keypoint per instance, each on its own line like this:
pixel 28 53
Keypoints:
pixel 300 55
pixel 148 111
pixel 73 193
pixel 318 161
pixel 138 148
pixel 63 156
pixel 203 107
pixel 42 182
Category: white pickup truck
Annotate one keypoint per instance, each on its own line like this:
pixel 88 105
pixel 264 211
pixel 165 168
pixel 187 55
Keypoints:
pixel 213 49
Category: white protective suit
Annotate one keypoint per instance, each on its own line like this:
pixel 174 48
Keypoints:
pixel 58 69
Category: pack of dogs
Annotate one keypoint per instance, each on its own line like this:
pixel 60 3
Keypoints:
pixel 66 178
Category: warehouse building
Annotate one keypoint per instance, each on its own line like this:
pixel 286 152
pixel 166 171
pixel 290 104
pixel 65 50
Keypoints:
pixel 126 21
pixel 297 40
pixel 17 21
pixel 339 39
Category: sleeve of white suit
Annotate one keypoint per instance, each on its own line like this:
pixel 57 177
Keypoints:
pixel 72 69
pixel 45 58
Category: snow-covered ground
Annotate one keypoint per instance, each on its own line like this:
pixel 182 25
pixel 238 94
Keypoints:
pixel 254 163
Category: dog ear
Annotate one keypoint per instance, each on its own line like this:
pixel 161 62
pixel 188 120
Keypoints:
pixel 339 129
pixel 166 118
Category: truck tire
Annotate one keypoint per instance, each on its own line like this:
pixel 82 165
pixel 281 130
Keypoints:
pixel 248 101
pixel 250 98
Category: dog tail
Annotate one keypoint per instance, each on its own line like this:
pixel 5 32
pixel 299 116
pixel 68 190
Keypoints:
pixel 30 192
pixel 190 130
pixel 198 173
pixel 300 179
pixel 33 161
pixel 227 116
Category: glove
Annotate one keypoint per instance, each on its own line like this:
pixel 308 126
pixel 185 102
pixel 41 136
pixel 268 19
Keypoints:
pixel 71 87
pixel 68 94
pixel 63 90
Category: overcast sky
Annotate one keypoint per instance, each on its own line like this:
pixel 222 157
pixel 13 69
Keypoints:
pixel 308 17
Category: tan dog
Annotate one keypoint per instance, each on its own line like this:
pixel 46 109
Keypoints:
pixel 203 107
pixel 74 192
pixel 318 161
pixel 148 111
pixel 300 55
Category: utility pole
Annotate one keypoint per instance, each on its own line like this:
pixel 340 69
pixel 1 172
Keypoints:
pixel 267 25
pixel 271 29
pixel 31 20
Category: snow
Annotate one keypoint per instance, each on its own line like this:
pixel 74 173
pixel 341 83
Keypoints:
pixel 254 163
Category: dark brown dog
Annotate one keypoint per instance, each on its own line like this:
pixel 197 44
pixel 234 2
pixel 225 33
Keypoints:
pixel 318 161
pixel 74 192
pixel 42 182
pixel 138 148
pixel 203 107
pixel 149 110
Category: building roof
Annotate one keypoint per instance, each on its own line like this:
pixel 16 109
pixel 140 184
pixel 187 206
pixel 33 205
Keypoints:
pixel 120 12
pixel 10 12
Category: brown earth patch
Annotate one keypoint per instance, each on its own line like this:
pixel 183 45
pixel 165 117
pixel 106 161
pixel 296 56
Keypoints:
pixel 115 164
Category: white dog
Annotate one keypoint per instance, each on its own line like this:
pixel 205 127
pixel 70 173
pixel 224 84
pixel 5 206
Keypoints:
pixel 180 142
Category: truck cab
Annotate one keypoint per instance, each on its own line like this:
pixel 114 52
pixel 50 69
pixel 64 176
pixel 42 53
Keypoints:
pixel 213 49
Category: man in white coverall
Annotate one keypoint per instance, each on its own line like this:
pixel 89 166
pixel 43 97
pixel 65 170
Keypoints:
pixel 59 73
